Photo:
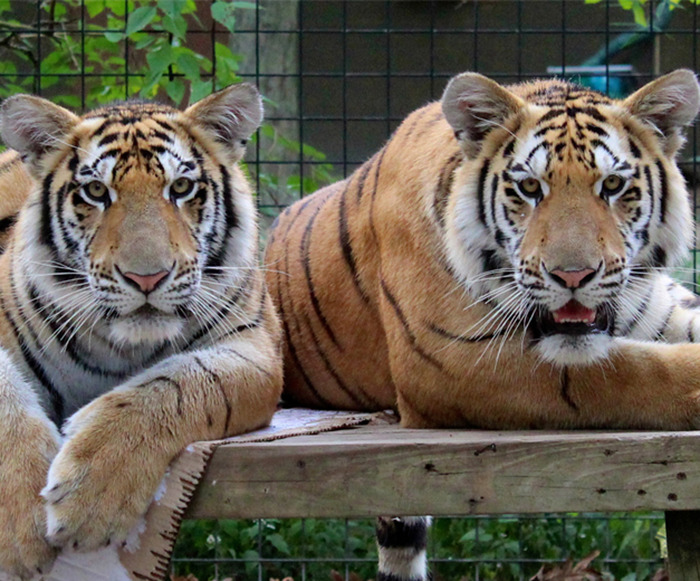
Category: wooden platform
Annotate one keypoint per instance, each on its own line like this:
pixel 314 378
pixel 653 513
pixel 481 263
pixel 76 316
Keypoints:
pixel 388 470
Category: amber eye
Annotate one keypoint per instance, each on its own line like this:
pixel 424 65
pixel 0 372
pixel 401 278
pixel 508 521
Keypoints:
pixel 181 187
pixel 531 188
pixel 95 191
pixel 612 185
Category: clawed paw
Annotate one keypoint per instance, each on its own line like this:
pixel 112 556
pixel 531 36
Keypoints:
pixel 96 495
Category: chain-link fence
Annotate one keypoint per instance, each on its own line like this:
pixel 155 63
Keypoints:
pixel 338 77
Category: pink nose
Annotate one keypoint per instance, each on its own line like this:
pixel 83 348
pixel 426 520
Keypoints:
pixel 146 282
pixel 572 278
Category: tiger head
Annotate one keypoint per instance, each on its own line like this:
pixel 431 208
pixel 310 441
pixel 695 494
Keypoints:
pixel 566 202
pixel 140 218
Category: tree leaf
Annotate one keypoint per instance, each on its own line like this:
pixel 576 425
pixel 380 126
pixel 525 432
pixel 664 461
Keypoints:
pixel 175 25
pixel 160 58
pixel 175 90
pixel 188 63
pixel 114 37
pixel 222 12
pixel 198 90
pixel 95 7
pixel 140 19
pixel 640 15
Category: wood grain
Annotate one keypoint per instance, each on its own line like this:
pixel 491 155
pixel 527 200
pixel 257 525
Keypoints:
pixel 380 470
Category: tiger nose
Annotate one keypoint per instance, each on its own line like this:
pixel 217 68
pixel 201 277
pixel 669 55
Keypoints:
pixel 572 278
pixel 145 282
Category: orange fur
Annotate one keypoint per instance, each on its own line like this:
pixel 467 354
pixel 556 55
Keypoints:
pixel 138 372
pixel 379 294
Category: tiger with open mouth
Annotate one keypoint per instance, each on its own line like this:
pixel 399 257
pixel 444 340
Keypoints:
pixel 500 263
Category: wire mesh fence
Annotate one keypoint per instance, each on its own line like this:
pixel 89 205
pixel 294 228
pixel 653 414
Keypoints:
pixel 338 77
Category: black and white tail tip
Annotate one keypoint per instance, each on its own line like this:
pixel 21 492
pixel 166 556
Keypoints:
pixel 402 548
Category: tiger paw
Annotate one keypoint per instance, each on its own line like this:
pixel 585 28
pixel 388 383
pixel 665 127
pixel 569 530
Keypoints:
pixel 102 481
pixel 24 551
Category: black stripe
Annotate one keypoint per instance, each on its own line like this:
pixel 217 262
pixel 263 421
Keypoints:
pixel 363 176
pixel 499 235
pixel 217 381
pixel 572 110
pixel 374 193
pixel 248 360
pixel 444 187
pixel 483 172
pixel 490 260
pixel 595 129
pixel 290 343
pixel 399 534
pixel 62 332
pixel 333 373
pixel 419 116
pixel 636 153
pixel 306 264
pixel 107 139
pixel 551 114
pixel 223 312
pixel 658 256
pixel 652 201
pixel 381 576
pixel 664 325
pixel 7 223
pixel 346 245
pixel 664 190
pixel 55 397
pixel 564 389
pixel 461 338
pixel 230 219
pixel 46 235
pixel 533 151
pixel 640 313
pixel 172 383
pixel 407 330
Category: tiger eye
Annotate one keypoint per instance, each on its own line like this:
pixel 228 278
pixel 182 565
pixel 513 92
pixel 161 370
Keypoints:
pixel 181 187
pixel 96 191
pixel 531 187
pixel 612 185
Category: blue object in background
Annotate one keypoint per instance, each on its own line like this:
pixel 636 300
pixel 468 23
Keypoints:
pixel 616 81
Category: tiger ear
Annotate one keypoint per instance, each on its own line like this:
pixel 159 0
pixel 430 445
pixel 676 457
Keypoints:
pixel 473 105
pixel 230 116
pixel 668 105
pixel 34 127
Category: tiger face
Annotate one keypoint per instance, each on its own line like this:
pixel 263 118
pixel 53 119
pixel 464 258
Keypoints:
pixel 142 214
pixel 567 202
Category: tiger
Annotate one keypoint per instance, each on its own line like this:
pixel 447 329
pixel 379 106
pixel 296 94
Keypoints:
pixel 502 263
pixel 135 317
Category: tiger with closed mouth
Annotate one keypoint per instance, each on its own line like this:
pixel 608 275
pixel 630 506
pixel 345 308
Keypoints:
pixel 134 313
pixel 501 263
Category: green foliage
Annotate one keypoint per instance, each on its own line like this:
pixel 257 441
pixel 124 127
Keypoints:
pixel 140 48
pixel 503 549
pixel 637 7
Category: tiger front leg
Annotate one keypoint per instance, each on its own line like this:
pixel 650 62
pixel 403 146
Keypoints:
pixel 28 443
pixel 119 446
pixel 641 385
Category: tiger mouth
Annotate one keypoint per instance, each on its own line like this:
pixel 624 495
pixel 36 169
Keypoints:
pixel 574 319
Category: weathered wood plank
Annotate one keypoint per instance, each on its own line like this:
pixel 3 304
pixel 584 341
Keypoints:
pixel 388 470
pixel 683 538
